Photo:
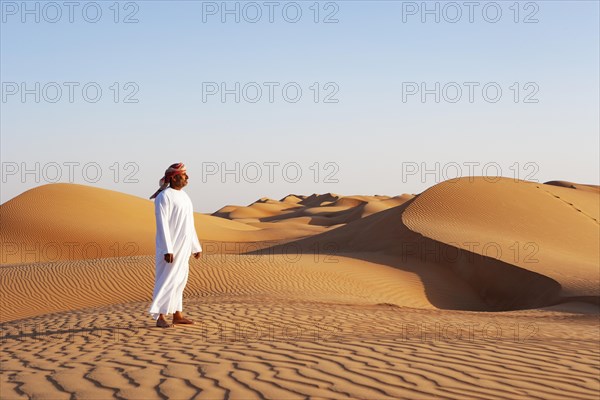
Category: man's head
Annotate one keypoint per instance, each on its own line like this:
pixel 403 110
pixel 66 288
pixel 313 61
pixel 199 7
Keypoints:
pixel 176 176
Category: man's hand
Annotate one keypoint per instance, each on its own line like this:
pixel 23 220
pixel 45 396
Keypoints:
pixel 169 257
pixel 197 255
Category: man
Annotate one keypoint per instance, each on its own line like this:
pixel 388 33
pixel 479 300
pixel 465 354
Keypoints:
pixel 176 240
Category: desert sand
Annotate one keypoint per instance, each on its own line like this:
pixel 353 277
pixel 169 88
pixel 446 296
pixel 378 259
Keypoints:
pixel 475 288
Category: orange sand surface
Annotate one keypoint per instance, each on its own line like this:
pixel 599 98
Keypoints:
pixel 472 289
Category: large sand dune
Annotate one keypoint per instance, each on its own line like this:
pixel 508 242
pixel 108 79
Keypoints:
pixel 517 244
pixel 549 230
pixel 471 289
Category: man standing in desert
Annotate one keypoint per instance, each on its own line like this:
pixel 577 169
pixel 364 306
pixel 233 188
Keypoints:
pixel 176 240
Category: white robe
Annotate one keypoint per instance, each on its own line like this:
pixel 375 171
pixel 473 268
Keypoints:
pixel 175 234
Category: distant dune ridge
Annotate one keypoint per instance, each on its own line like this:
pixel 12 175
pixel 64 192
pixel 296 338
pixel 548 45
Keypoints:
pixel 377 273
pixel 71 222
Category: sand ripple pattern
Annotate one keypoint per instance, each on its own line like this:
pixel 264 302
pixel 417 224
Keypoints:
pixel 35 289
pixel 275 348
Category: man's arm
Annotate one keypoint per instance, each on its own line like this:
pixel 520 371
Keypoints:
pixel 196 247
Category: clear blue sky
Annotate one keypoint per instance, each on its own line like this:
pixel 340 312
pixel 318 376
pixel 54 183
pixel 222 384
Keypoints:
pixel 371 60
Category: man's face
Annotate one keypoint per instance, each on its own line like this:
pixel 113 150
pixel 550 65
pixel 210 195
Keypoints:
pixel 179 180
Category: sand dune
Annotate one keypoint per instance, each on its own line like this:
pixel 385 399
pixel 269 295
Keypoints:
pixel 36 289
pixel 541 228
pixel 503 238
pixel 497 238
pixel 71 222
pixel 471 289
pixel 333 209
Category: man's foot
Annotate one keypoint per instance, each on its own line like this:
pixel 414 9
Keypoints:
pixel 162 323
pixel 178 318
pixel 182 320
